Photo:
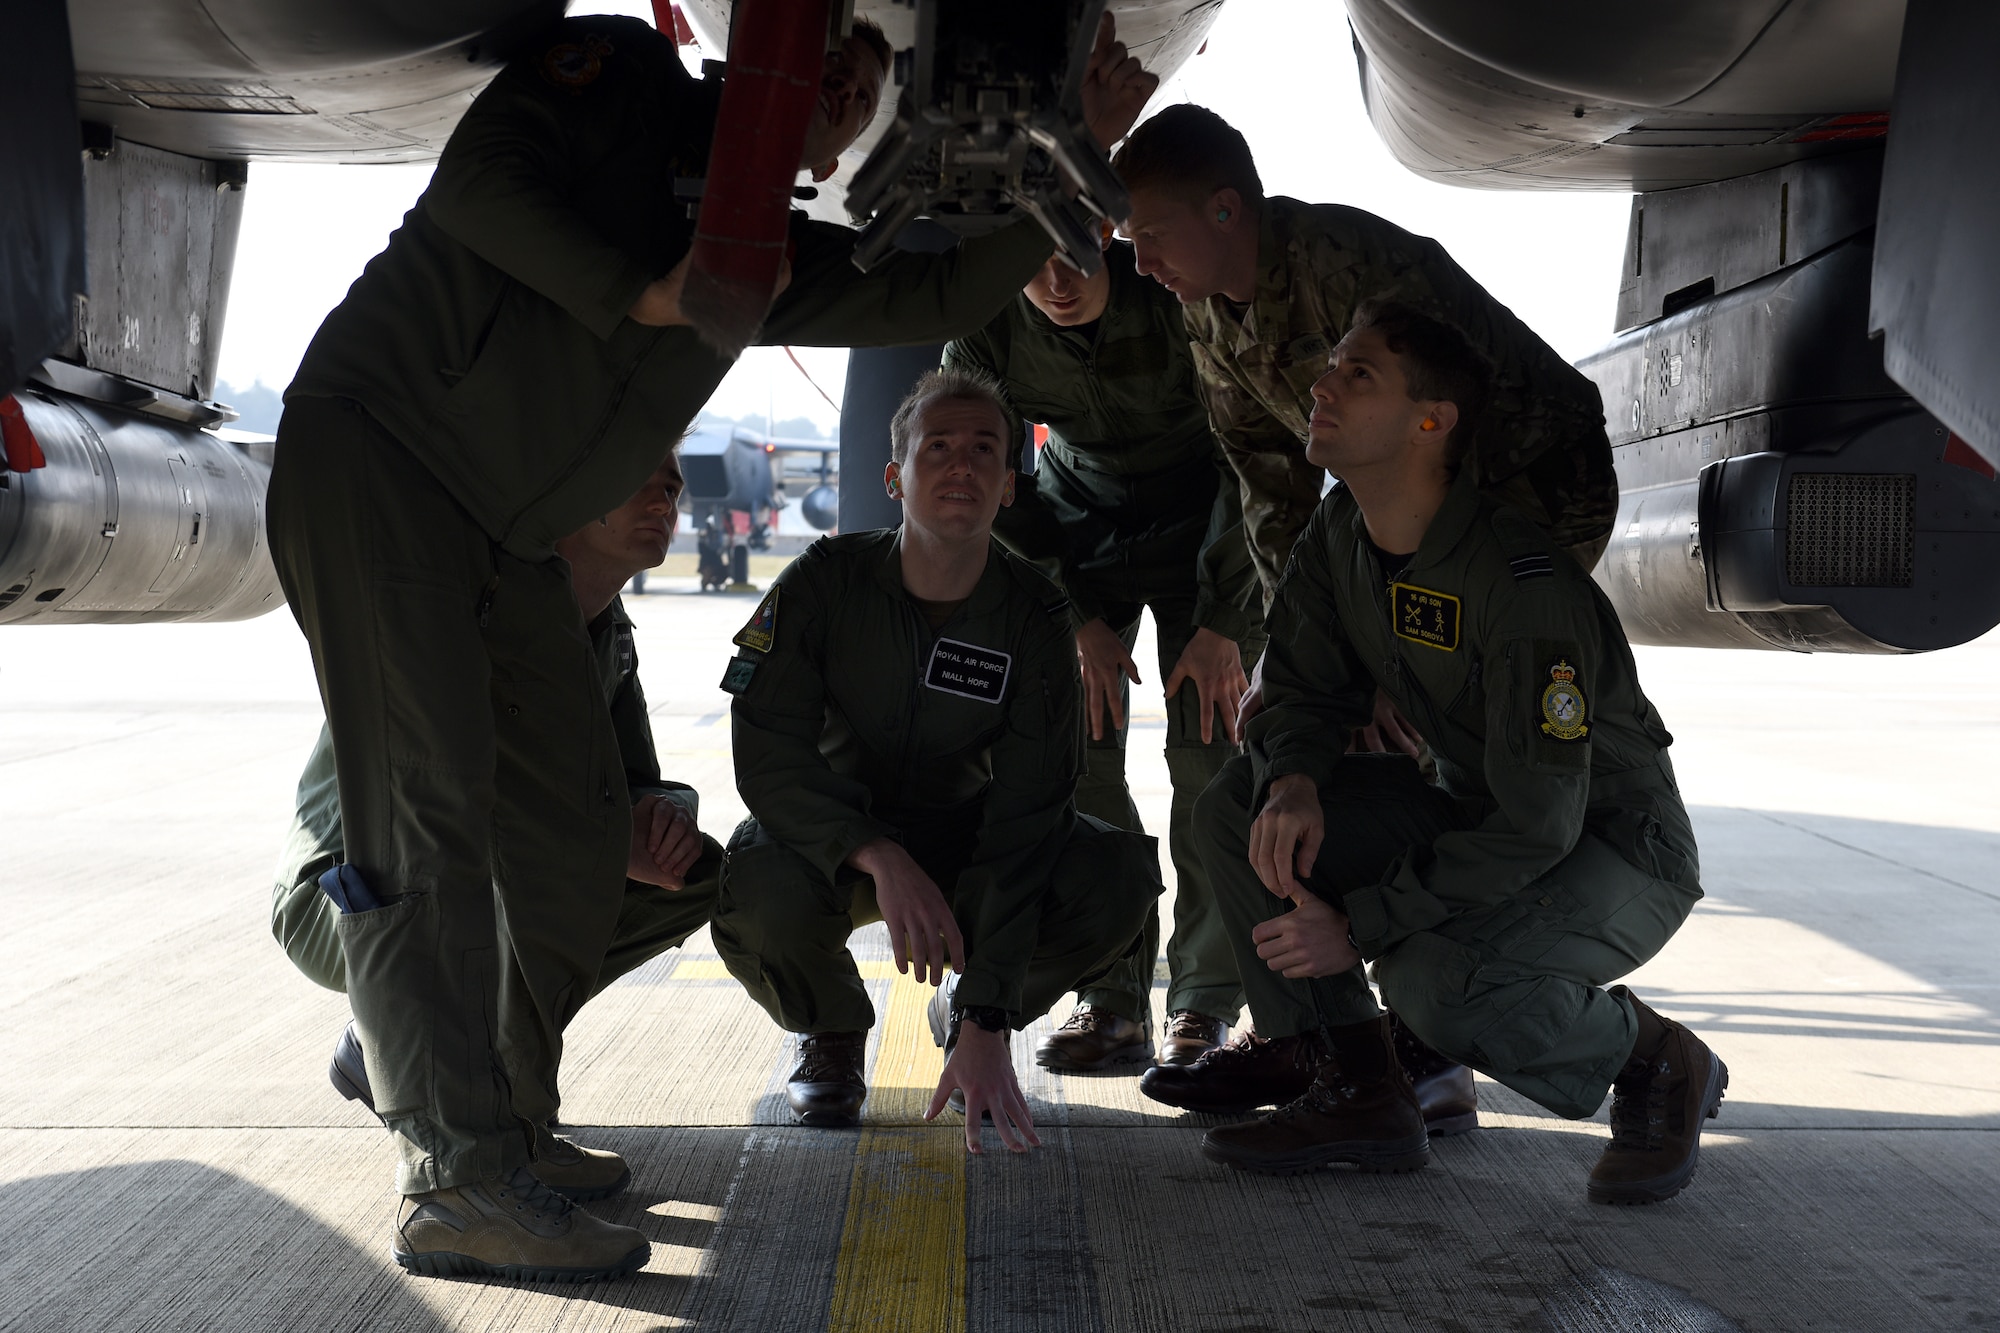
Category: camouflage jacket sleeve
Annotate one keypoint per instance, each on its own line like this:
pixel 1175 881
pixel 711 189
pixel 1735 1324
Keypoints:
pixel 1536 765
pixel 1025 824
pixel 1279 488
pixel 775 726
pixel 505 184
pixel 907 299
pixel 1316 690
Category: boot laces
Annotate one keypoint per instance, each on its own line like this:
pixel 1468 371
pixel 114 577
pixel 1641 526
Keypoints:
pixel 524 1193
pixel 1084 1018
pixel 824 1062
pixel 1243 1046
pixel 1189 1023
pixel 1639 1107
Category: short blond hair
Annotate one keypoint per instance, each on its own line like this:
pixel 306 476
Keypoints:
pixel 960 382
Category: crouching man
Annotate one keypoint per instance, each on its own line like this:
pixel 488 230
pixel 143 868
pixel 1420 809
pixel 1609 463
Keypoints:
pixel 1552 857
pixel 671 873
pixel 907 742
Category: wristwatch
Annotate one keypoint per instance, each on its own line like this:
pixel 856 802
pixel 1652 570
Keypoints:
pixel 986 1017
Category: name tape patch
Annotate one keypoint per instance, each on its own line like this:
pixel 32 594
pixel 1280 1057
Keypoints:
pixel 1426 617
pixel 969 671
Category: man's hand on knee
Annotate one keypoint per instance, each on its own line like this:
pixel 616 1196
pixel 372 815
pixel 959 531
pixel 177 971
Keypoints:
pixel 921 927
pixel 1104 660
pixel 1389 731
pixel 1311 940
pixel 1214 664
pixel 1285 836
pixel 665 843
pixel 983 1069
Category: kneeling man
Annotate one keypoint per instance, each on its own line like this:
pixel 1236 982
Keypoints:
pixel 1552 857
pixel 907 742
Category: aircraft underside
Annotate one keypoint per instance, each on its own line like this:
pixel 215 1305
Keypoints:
pixel 1782 487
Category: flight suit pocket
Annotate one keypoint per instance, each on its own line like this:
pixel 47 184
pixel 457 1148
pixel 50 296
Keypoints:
pixel 391 955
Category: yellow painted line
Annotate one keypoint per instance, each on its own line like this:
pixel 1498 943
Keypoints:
pixel 713 969
pixel 901 1267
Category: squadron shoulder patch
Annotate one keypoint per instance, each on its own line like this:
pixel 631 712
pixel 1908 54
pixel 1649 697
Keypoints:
pixel 969 671
pixel 1425 617
pixel 762 631
pixel 1563 707
pixel 575 65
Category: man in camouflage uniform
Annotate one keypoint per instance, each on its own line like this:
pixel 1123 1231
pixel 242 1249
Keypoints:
pixel 1270 286
pixel 1126 508
pixel 672 873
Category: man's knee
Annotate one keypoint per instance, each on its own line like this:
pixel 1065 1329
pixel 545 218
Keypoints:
pixel 1105 872
pixel 765 891
pixel 1492 1015
pixel 1222 812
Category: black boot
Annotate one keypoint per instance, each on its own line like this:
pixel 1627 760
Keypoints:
pixel 1444 1087
pixel 830 1082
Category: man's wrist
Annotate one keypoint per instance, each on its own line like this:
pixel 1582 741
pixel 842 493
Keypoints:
pixel 985 1017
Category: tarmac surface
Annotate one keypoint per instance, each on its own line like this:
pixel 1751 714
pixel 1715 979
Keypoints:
pixel 173 1157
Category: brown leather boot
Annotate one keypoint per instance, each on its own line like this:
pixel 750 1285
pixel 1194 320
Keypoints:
pixel 1092 1038
pixel 1444 1087
pixel 1229 1080
pixel 830 1082
pixel 1189 1034
pixel 1669 1087
pixel 1371 1121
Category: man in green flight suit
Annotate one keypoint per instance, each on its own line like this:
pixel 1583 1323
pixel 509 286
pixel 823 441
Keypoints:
pixel 1126 507
pixel 1271 284
pixel 906 739
pixel 671 875
pixel 1552 856
pixel 499 375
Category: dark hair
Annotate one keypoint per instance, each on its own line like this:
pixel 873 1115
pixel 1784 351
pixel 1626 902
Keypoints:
pixel 872 37
pixel 1440 365
pixel 1189 150
pixel 961 382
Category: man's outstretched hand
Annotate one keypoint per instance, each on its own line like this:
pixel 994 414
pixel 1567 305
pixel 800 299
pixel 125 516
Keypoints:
pixel 982 1068
pixel 1115 87
pixel 1215 665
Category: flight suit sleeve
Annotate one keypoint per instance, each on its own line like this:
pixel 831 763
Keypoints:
pixel 905 300
pixel 1278 487
pixel 775 725
pixel 1025 823
pixel 632 724
pixel 1224 575
pixel 1316 690
pixel 1542 668
pixel 504 184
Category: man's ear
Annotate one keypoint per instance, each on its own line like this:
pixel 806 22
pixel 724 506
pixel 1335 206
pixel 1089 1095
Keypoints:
pixel 892 481
pixel 826 169
pixel 1439 418
pixel 1225 208
pixel 1007 491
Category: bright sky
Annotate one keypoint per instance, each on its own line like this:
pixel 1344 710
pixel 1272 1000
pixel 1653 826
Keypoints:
pixel 1282 71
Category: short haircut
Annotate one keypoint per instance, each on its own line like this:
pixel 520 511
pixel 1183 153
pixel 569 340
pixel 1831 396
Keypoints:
pixel 1440 364
pixel 965 384
pixel 1189 150
pixel 871 35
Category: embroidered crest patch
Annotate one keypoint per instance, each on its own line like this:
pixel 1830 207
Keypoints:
pixel 762 631
pixel 1425 617
pixel 1563 706
pixel 968 670
pixel 574 65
